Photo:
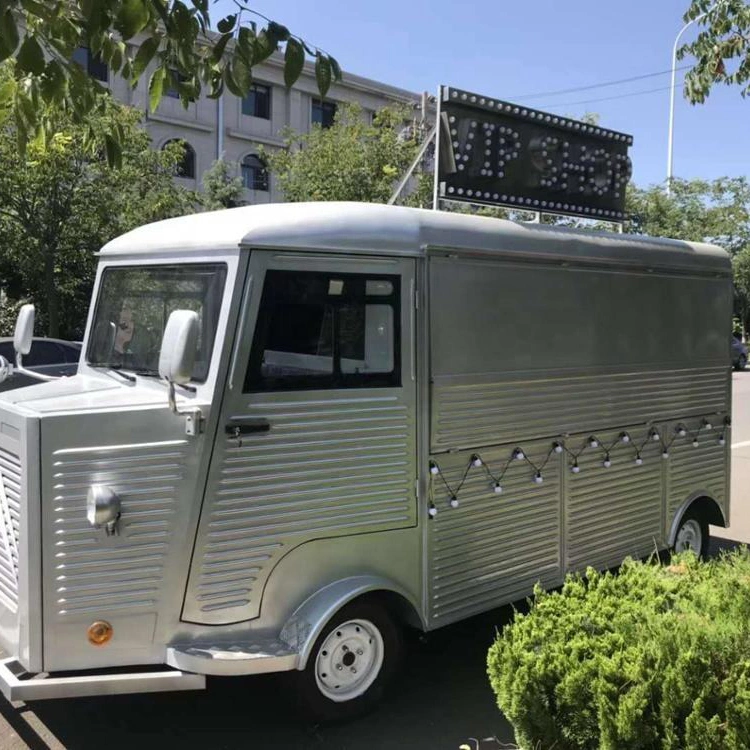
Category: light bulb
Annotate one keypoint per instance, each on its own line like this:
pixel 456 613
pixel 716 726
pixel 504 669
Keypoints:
pixel 593 442
pixel 654 435
pixel 681 432
pixel 722 441
pixel 695 443
pixel 707 424
pixel 538 479
pixel 624 437
pixel 607 462
pixel 558 447
pixel 432 511
pixel 476 461
pixel 575 468
pixel 665 454
pixel 434 468
pixel 638 460
pixel 498 488
pixel 519 455
pixel 454 501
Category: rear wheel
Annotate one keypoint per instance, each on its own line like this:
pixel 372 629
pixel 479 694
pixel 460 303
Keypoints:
pixel 742 362
pixel 692 535
pixel 350 664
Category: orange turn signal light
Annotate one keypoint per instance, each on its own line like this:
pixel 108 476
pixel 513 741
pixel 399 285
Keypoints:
pixel 100 632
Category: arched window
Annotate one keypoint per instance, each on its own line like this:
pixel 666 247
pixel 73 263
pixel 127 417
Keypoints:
pixel 186 167
pixel 254 173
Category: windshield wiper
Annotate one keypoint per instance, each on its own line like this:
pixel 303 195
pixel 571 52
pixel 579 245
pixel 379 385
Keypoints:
pixel 129 378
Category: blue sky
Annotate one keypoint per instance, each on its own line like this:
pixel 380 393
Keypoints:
pixel 512 49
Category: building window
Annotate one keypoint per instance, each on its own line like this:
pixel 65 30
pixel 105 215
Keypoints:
pixel 257 103
pixel 324 331
pixel 92 64
pixel 254 173
pixel 186 167
pixel 323 113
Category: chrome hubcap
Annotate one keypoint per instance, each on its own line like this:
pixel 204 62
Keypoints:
pixel 689 537
pixel 349 660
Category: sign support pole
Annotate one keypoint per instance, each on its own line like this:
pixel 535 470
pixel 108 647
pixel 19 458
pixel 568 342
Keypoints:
pixel 409 172
pixel 436 184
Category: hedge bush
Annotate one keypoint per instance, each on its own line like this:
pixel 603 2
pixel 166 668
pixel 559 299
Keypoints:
pixel 655 656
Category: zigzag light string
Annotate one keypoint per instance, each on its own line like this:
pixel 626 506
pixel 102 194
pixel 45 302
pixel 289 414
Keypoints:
pixel 558 446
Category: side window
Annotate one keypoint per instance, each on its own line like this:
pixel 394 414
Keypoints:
pixel 326 330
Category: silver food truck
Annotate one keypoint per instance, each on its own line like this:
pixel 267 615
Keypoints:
pixel 296 429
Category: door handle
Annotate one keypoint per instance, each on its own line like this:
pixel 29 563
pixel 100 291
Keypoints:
pixel 247 426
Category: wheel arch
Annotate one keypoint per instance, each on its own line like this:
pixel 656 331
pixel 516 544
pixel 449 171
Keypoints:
pixel 704 503
pixel 306 623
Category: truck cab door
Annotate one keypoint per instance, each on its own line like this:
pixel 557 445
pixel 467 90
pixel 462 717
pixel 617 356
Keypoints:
pixel 317 433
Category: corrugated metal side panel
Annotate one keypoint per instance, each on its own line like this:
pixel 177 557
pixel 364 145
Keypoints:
pixel 617 511
pixel 127 572
pixel 328 466
pixel 698 469
pixel 488 413
pixel 10 517
pixel 492 548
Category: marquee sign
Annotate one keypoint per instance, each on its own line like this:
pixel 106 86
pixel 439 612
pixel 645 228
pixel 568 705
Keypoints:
pixel 504 154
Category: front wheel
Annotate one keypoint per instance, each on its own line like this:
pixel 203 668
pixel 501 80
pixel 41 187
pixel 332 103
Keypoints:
pixel 692 535
pixel 350 664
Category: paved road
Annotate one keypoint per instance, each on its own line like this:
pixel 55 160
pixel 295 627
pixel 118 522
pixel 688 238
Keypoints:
pixel 442 699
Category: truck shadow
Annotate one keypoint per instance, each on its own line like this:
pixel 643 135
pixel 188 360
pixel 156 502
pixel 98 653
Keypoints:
pixel 441 699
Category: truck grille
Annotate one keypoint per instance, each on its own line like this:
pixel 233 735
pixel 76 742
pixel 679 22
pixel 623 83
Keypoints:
pixel 10 506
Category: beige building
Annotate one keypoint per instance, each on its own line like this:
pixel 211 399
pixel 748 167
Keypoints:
pixel 233 128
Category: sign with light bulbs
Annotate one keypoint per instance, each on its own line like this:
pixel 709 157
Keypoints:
pixel 498 153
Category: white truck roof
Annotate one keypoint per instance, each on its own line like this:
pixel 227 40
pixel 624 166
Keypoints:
pixel 368 228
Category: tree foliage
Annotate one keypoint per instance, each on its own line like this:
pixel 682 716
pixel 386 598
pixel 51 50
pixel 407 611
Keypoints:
pixel 222 188
pixel 722 48
pixel 352 160
pixel 701 211
pixel 60 202
pixel 172 38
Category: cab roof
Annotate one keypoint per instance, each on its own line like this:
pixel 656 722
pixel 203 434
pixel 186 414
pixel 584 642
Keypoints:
pixel 376 229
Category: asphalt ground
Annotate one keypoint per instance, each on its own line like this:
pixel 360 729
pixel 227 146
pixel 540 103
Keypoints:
pixel 441 699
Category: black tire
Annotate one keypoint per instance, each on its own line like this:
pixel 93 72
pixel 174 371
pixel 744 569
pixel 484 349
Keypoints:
pixel 741 362
pixel 690 521
pixel 312 699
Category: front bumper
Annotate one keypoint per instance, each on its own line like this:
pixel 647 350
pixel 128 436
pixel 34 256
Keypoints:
pixel 17 684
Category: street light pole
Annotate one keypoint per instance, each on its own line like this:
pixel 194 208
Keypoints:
pixel 670 138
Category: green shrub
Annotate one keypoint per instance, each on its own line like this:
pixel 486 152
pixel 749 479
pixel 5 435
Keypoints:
pixel 651 657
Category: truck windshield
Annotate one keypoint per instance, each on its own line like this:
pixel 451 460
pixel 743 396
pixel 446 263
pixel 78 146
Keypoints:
pixel 133 306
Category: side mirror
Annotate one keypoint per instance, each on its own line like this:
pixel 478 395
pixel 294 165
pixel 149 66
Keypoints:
pixel 24 330
pixel 178 344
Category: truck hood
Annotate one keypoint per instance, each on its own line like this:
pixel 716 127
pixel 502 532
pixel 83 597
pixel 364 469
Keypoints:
pixel 82 393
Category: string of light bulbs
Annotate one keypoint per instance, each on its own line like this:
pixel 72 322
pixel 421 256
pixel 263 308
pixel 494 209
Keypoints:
pixel 558 446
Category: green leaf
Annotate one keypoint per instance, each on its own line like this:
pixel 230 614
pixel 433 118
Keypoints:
pixel 145 54
pixel 323 73
pixel 30 57
pixel 231 82
pixel 264 47
pixel 156 87
pixel 8 34
pixel 336 68
pixel 7 92
pixel 277 33
pixel 294 60
pixel 132 18
pixel 114 151
pixel 218 50
pixel 54 83
pixel 226 24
